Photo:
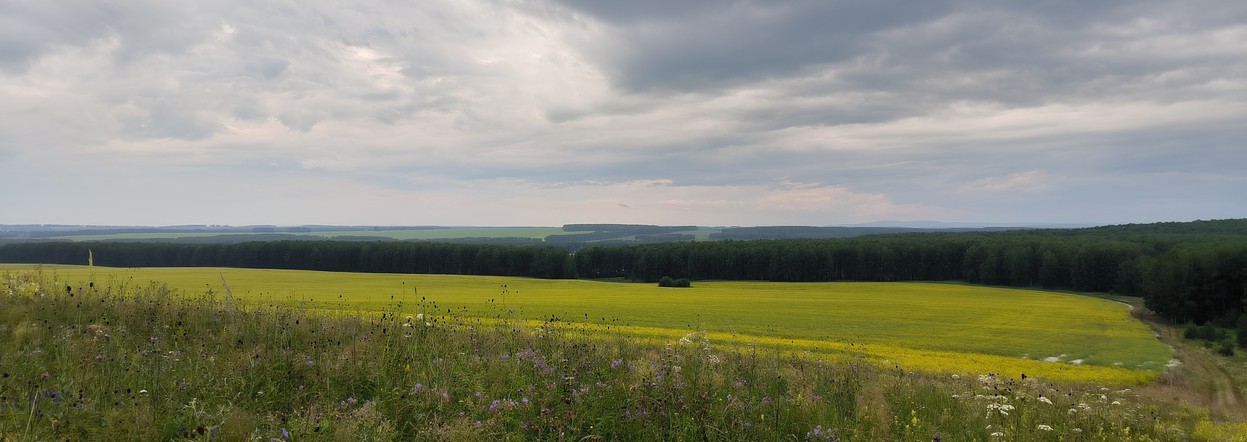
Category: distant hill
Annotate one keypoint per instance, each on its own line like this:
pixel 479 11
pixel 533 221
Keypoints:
pixel 803 232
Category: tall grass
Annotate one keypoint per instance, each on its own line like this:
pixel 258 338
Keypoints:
pixel 143 362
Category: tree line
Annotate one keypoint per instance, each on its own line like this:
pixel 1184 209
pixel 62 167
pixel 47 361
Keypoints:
pixel 1187 272
pixel 337 256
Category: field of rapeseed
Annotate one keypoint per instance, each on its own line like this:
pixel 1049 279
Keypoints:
pixel 944 328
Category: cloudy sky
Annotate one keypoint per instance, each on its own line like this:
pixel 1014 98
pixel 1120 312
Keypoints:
pixel 545 112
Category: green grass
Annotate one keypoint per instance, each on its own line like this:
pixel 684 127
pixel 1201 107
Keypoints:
pixel 137 361
pixel 929 327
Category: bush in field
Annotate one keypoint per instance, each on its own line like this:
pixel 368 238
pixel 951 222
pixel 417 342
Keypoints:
pixel 1207 332
pixel 666 281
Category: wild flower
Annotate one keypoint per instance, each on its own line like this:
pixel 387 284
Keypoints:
pixel 818 433
pixel 1044 427
pixel 1045 400
pixel 1003 409
pixel 998 434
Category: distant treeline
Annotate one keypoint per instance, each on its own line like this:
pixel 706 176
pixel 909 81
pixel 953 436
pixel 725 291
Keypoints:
pixel 1187 272
pixel 337 256
pixel 606 232
pixel 806 232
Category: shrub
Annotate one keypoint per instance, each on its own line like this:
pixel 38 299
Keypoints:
pixel 1191 332
pixel 666 281
pixel 1227 349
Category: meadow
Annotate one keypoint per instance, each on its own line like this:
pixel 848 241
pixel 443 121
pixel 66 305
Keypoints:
pixel 925 327
pixel 118 359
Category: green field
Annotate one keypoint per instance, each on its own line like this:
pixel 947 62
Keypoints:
pixel 928 327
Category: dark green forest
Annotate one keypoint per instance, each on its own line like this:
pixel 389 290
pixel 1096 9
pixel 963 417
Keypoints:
pixel 334 256
pixel 1187 272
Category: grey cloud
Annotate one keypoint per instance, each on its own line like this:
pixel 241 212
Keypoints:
pixel 162 119
pixel 29 28
pixel 717 46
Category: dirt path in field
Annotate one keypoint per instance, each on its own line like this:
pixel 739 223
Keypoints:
pixel 1209 376
pixel 1202 379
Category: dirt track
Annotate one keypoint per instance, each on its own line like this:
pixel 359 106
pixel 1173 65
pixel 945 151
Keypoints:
pixel 1202 373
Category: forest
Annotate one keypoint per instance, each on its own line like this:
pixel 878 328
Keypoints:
pixel 1194 272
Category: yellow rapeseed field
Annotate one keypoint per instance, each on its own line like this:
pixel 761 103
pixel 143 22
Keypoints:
pixel 922 327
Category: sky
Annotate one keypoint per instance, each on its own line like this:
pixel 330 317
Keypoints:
pixel 548 112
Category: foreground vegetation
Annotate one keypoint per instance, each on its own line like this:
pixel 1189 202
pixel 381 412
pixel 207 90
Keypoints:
pixel 142 361
pixel 946 328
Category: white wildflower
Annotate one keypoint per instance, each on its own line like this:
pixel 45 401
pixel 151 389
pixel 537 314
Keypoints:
pixel 1044 427
pixel 1045 400
pixel 1003 409
pixel 998 434
pixel 1116 402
